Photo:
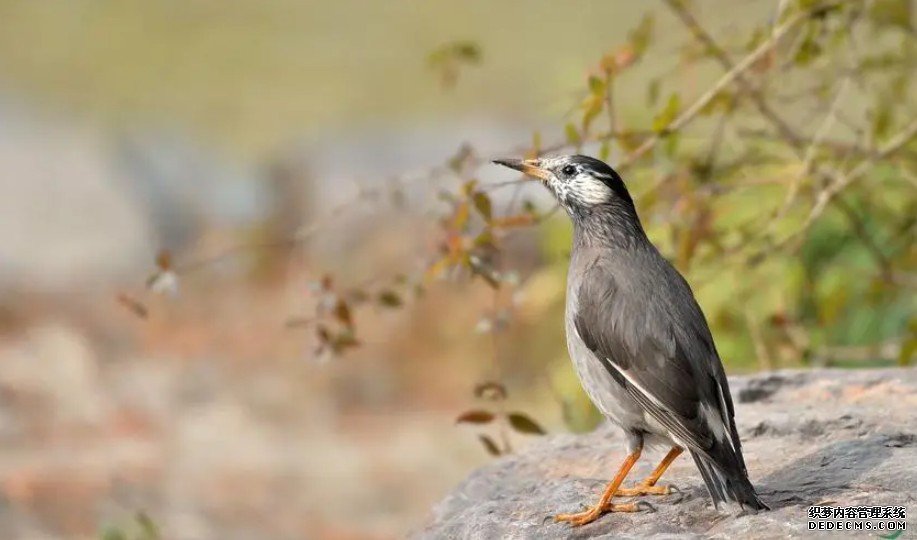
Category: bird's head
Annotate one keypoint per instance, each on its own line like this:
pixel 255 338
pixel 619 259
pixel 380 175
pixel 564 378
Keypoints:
pixel 580 183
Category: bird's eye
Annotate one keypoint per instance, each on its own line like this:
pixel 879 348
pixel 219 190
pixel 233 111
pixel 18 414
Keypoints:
pixel 569 170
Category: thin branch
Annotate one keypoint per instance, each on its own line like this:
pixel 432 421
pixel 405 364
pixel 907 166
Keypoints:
pixel 828 193
pixel 733 74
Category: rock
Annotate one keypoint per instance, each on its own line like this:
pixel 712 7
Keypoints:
pixel 830 437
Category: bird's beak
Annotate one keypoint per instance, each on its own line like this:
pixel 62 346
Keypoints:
pixel 531 167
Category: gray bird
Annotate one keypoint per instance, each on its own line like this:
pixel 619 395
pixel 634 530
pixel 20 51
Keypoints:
pixel 638 340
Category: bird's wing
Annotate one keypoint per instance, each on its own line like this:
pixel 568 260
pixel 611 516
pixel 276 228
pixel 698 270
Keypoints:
pixel 657 343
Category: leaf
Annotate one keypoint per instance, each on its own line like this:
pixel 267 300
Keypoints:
pixel 164 260
pixel 460 218
pixel 133 305
pixel 523 424
pixel 327 282
pixel 592 107
pixel 667 114
pixel 492 390
pixel 389 298
pixel 476 416
pixel 489 445
pixel 605 150
pixel 343 341
pixel 722 101
pixel 113 533
pixel 630 141
pixel 342 313
pixel 573 136
pixel 641 36
pixel 652 91
pixel 485 239
pixel 881 119
pixel 518 220
pixel 896 13
pixel 482 205
pixel 148 529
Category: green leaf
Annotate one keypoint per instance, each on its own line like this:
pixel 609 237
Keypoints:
pixel 482 205
pixel 668 113
pixel 895 13
pixel 148 529
pixel 113 533
pixel 592 107
pixel 881 119
pixel 652 91
pixel 573 136
pixel 641 36
pixel 605 150
pixel 523 424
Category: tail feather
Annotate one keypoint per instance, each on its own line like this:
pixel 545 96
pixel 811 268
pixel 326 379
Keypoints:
pixel 728 486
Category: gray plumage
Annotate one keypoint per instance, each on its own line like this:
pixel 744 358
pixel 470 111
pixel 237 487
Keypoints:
pixel 638 340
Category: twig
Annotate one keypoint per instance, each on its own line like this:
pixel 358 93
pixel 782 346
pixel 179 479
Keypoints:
pixel 828 193
pixel 733 74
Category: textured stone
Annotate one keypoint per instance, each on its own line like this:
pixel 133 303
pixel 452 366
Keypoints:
pixel 833 437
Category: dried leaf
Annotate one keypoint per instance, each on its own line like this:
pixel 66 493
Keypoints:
pixel 524 424
pixel 389 298
pixel 489 445
pixel 133 305
pixel 518 220
pixel 342 313
pixel 164 260
pixel 477 416
pixel 327 282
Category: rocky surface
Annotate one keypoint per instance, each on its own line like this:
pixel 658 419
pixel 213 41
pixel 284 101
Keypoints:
pixel 827 437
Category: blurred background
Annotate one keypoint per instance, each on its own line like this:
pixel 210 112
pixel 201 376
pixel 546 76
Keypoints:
pixel 258 281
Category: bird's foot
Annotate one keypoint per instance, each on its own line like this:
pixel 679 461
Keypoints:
pixel 644 488
pixel 595 512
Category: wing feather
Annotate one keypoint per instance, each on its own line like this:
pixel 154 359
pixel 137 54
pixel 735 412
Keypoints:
pixel 659 343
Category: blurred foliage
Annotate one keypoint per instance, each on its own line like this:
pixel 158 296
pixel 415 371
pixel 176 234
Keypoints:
pixel 781 179
pixel 785 192
pixel 140 528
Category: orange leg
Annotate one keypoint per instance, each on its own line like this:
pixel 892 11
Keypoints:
pixel 648 485
pixel 605 504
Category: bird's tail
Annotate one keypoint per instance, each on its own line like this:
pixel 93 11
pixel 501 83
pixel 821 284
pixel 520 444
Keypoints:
pixel 728 486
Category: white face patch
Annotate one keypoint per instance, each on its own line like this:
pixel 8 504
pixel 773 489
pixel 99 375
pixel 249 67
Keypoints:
pixel 581 189
pixel 589 190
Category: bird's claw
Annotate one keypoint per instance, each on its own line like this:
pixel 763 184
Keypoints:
pixel 595 512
